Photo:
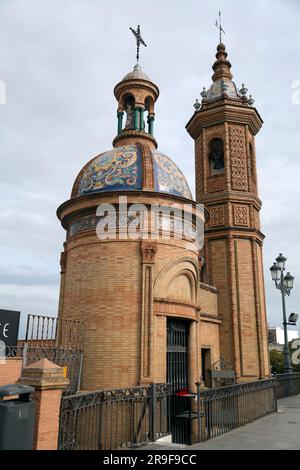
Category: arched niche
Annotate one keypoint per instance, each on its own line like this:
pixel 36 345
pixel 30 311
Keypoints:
pixel 178 281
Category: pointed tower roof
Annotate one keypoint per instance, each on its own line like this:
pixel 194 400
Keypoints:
pixel 137 73
pixel 223 98
pixel 222 86
pixel 222 66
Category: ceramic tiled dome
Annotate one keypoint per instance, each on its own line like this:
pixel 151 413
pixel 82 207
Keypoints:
pixel 122 169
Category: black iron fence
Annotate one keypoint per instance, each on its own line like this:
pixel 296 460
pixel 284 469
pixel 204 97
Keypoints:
pixel 288 384
pixel 111 419
pixel 222 409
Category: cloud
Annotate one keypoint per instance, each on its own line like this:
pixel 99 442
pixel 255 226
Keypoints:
pixel 60 61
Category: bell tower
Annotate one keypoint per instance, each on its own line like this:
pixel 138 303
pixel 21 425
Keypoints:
pixel 223 127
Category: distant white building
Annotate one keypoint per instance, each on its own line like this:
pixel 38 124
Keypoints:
pixel 276 335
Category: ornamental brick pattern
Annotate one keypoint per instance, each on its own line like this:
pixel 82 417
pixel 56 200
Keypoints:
pixel 217 216
pixel 241 215
pixel 238 158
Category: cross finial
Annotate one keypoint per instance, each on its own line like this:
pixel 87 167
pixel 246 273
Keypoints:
pixel 219 26
pixel 139 41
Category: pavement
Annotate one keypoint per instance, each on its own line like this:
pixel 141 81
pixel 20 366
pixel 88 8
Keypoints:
pixel 277 431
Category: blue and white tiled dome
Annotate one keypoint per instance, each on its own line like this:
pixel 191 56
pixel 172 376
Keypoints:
pixel 122 169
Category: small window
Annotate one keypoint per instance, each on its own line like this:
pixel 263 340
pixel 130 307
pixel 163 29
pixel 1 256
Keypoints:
pixel 216 156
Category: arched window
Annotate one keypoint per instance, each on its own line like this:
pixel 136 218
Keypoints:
pixel 129 103
pixel 216 156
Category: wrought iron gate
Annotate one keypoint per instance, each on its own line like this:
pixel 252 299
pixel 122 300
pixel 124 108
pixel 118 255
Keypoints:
pixel 177 375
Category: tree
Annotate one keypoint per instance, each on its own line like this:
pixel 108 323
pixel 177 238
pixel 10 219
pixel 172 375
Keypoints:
pixel 277 361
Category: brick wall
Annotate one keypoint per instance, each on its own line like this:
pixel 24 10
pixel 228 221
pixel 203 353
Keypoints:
pixel 10 370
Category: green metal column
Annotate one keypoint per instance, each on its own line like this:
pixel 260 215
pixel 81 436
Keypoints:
pixel 150 124
pixel 120 121
pixel 136 117
pixel 142 124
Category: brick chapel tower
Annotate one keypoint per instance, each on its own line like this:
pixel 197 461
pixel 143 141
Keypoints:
pixel 224 126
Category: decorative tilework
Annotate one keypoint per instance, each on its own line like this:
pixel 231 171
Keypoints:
pixel 168 177
pixel 117 169
pixel 121 169
pixel 215 91
pixel 89 222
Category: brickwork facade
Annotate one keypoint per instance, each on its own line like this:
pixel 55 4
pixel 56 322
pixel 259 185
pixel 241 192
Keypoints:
pixel 233 241
pixel 126 289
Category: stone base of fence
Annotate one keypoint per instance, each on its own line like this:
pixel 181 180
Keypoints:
pixel 49 381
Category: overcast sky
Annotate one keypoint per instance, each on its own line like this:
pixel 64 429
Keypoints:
pixel 60 60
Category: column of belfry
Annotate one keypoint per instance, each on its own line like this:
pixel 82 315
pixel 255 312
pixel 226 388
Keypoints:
pixel 224 129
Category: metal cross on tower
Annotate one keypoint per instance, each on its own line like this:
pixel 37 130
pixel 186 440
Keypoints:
pixel 219 26
pixel 139 41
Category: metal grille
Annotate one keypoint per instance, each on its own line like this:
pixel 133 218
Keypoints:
pixel 177 375
pixel 177 371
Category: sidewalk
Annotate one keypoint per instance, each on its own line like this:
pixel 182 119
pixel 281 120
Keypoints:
pixel 277 431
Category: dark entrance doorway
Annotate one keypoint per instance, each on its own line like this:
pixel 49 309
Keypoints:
pixel 177 365
pixel 177 375
pixel 206 366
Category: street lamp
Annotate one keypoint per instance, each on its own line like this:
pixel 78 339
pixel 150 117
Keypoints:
pixel 285 285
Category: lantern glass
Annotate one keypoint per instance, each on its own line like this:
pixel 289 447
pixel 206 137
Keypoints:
pixel 288 281
pixel 275 272
pixel 280 260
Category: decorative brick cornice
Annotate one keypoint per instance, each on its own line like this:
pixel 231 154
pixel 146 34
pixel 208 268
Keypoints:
pixel 135 136
pixel 208 317
pixel 249 231
pixel 221 112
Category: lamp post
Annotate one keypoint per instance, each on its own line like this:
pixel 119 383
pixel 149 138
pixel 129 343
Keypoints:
pixel 285 285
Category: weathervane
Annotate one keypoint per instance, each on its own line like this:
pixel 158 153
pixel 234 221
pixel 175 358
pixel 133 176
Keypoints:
pixel 219 26
pixel 139 41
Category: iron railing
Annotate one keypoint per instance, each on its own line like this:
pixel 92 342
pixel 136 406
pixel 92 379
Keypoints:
pixel 54 332
pixel 288 384
pixel 220 410
pixel 69 358
pixel 112 419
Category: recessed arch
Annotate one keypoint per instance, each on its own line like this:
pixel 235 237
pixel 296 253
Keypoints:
pixel 178 281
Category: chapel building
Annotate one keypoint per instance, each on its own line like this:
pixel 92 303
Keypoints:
pixel 159 307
